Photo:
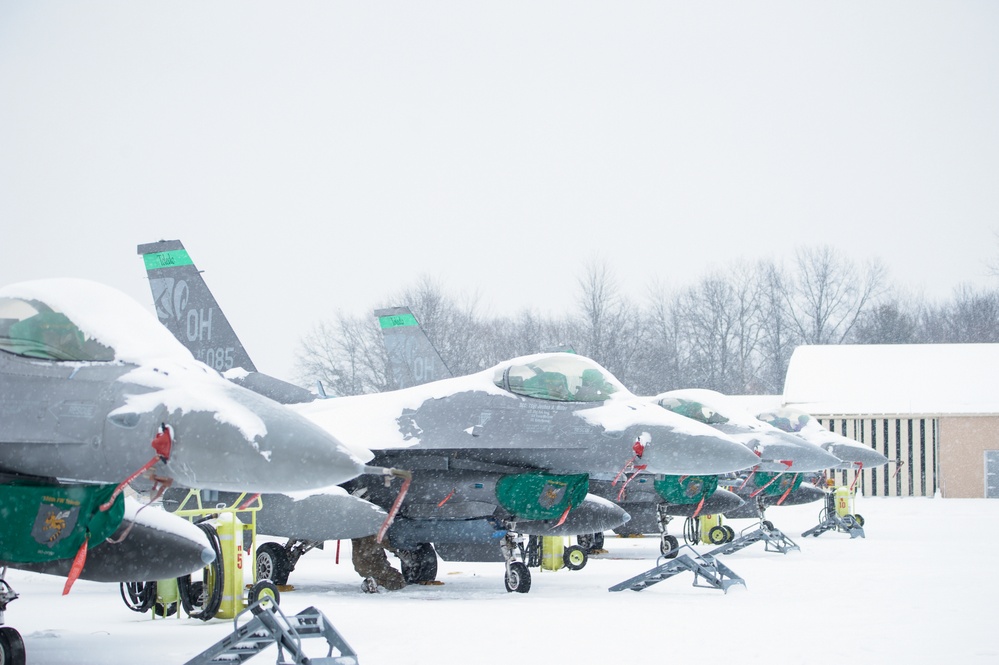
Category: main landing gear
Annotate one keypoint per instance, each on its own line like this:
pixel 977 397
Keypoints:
pixel 591 542
pixel 276 562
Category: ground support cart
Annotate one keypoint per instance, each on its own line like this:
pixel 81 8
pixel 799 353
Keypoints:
pixel 551 553
pixel 837 514
pixel 221 592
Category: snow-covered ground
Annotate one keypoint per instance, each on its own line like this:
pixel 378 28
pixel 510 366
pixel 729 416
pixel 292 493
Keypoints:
pixel 921 588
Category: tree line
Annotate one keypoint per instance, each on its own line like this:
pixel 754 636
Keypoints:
pixel 733 331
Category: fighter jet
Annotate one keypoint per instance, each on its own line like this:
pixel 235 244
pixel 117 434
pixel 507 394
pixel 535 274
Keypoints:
pixel 784 461
pixel 652 502
pixel 494 455
pixel 94 394
pixel 852 454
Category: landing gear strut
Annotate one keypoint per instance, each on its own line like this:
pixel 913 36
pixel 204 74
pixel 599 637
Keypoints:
pixel 590 541
pixel 518 577
pixel 276 562
pixel 11 644
pixel 668 545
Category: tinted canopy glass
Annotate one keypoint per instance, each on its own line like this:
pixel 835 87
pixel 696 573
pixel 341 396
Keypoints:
pixel 788 420
pixel 32 329
pixel 693 409
pixel 560 377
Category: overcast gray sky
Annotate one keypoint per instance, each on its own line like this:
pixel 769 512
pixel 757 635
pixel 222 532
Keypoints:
pixel 316 156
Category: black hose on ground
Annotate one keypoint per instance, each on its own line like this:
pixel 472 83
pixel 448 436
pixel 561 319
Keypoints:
pixel 202 600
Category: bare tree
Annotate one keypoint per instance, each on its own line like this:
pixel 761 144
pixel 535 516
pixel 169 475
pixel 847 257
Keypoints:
pixel 779 334
pixel 346 355
pixel 663 363
pixel 893 320
pixel 721 321
pixel 971 317
pixel 830 294
pixel 453 328
pixel 609 325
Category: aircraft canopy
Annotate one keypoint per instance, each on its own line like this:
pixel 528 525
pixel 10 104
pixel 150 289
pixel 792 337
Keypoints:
pixel 787 419
pixel 560 377
pixel 32 329
pixel 693 409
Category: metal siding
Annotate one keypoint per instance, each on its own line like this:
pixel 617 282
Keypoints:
pixel 886 453
pixel 911 464
pixel 898 457
pixel 874 444
pixel 910 444
pixel 922 457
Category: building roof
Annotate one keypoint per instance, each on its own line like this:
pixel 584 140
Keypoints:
pixel 894 379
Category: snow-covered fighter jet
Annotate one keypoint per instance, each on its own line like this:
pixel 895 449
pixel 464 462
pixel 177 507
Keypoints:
pixel 652 501
pixel 95 394
pixel 501 452
pixel 852 454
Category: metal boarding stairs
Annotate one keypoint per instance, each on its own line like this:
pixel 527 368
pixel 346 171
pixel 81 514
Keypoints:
pixel 714 573
pixel 270 625
pixel 774 540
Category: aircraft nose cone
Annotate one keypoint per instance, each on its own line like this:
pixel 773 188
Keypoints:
pixel 804 456
pixel 687 453
pixel 721 501
pixel 594 515
pixel 853 453
pixel 805 493
pixel 250 443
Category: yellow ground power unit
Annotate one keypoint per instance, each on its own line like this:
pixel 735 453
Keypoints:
pixel 552 549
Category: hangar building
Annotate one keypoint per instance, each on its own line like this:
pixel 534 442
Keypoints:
pixel 932 409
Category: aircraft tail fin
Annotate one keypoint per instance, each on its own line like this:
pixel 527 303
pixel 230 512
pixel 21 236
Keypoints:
pixel 413 359
pixel 186 306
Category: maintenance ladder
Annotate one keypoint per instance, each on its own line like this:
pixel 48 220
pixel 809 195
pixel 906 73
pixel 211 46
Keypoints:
pixel 270 626
pixel 773 541
pixel 715 574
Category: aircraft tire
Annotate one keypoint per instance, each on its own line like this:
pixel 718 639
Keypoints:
pixel 262 589
pixel 859 519
pixel 11 647
pixel 717 535
pixel 574 557
pixel 518 578
pixel 273 563
pixel 767 525
pixel 669 546
pixel 419 565
pixel 730 531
